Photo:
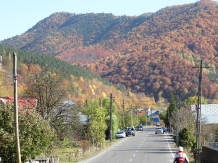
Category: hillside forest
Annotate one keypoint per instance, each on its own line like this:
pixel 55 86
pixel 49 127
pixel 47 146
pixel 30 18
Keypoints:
pixel 81 85
pixel 152 54
pixel 109 67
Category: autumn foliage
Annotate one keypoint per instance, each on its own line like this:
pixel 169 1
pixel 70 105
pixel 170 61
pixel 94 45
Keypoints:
pixel 150 53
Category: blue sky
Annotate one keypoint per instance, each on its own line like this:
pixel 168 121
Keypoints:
pixel 17 16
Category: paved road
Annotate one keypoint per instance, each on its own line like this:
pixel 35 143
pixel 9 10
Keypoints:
pixel 145 147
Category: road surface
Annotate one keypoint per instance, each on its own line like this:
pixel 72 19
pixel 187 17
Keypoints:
pixel 145 147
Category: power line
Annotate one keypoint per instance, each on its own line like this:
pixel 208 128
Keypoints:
pixel 211 60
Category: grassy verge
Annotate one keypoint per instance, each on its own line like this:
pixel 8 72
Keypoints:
pixel 75 154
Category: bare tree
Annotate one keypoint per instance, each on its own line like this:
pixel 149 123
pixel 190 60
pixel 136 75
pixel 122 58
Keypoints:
pixel 48 89
pixel 184 118
pixel 66 120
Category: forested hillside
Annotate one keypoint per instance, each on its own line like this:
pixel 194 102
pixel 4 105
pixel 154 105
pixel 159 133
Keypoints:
pixel 82 85
pixel 152 53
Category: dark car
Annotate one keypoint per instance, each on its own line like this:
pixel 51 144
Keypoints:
pixel 139 128
pixel 130 131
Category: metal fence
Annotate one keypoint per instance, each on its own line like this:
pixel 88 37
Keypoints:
pixel 44 160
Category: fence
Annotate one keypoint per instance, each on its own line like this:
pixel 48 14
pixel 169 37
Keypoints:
pixel 209 155
pixel 44 160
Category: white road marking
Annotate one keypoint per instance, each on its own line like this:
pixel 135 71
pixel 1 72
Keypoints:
pixel 169 147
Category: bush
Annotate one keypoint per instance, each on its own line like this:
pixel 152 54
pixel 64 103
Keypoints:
pixel 35 134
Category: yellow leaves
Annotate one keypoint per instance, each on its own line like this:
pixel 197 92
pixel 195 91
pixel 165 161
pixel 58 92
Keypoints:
pixel 24 69
pixel 104 95
pixel 65 84
pixel 92 90
pixel 6 86
pixel 113 88
pixel 130 93
pixel 81 79
pixel 72 76
pixel 54 75
pixel 35 69
pixel 90 87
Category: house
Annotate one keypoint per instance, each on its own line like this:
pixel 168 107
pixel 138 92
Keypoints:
pixel 154 113
pixel 23 103
pixel 209 113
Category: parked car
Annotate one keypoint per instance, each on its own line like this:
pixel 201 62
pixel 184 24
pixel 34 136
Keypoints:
pixel 130 131
pixel 139 128
pixel 159 130
pixel 121 134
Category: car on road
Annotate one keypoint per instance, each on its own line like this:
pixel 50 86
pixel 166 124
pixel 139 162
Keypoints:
pixel 159 130
pixel 130 131
pixel 139 128
pixel 121 134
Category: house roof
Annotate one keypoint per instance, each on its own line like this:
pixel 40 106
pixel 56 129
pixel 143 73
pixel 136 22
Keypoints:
pixel 209 112
pixel 154 112
pixel 23 103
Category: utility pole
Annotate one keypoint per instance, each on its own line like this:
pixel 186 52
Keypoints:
pixel 137 114
pixel 131 115
pixel 100 101
pixel 16 109
pixel 198 118
pixel 111 117
pixel 177 123
pixel 199 115
pixel 123 115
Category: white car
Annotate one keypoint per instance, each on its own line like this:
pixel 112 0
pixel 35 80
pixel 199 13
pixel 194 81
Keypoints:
pixel 121 134
pixel 159 130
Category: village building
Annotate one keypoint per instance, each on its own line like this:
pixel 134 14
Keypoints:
pixel 23 102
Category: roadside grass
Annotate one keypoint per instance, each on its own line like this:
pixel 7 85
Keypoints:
pixel 70 154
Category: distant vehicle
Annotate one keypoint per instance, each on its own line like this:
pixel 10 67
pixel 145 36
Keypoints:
pixel 159 130
pixel 139 128
pixel 164 129
pixel 121 134
pixel 130 131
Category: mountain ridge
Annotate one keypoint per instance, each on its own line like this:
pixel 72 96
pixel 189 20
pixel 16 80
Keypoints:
pixel 133 51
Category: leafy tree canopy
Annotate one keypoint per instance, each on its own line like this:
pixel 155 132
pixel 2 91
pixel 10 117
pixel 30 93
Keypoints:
pixel 35 134
pixel 194 100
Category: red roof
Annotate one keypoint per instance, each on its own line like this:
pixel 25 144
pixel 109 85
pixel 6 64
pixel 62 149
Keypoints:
pixel 141 113
pixel 23 103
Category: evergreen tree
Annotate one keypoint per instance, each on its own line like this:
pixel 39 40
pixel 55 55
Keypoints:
pixel 170 110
